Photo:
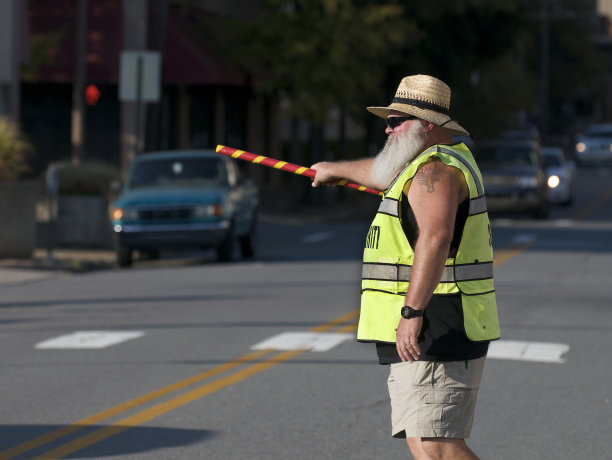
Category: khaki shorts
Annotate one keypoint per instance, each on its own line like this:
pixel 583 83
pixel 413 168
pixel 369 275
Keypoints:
pixel 434 400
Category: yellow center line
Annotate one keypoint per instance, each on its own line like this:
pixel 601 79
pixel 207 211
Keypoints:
pixel 166 406
pixel 188 397
pixel 123 407
pixel 504 255
pixel 349 327
pixel 340 320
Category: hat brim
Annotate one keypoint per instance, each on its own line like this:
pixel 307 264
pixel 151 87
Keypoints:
pixel 425 114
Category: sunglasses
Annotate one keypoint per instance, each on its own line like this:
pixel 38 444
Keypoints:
pixel 394 122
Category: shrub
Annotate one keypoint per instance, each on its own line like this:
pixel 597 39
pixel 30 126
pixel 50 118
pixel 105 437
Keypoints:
pixel 15 151
pixel 87 178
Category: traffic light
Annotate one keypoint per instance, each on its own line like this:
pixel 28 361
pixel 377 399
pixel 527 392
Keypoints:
pixel 92 94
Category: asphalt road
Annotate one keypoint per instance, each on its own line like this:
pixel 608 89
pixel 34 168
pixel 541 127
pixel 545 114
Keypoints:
pixel 193 373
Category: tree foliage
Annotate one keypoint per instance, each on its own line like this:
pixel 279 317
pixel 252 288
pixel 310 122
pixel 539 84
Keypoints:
pixel 320 54
pixel 15 151
pixel 326 53
pixel 576 64
pixel 489 52
pixel 474 46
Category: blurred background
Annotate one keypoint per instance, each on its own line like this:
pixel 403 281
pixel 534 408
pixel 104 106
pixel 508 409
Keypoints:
pixel 87 85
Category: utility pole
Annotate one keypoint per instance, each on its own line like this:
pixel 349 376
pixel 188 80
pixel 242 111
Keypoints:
pixel 157 41
pixel 78 85
pixel 544 69
pixel 12 24
pixel 134 31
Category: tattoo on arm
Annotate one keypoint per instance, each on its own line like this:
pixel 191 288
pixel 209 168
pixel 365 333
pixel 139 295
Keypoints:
pixel 429 174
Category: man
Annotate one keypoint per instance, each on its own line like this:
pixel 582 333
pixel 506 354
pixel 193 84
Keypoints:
pixel 427 301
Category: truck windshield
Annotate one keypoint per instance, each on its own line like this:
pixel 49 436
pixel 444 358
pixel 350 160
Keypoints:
pixel 179 172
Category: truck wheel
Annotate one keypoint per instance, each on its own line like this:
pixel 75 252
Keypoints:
pixel 248 244
pixel 541 212
pixel 225 251
pixel 124 256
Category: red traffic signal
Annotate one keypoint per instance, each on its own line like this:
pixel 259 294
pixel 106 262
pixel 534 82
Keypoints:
pixel 92 94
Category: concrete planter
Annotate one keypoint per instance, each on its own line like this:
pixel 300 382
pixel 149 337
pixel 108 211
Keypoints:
pixel 83 221
pixel 18 217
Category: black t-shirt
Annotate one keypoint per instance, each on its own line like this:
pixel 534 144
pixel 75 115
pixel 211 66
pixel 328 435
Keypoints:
pixel 442 336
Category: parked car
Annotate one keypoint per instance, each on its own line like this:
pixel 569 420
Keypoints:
pixel 595 145
pixel 560 176
pixel 513 175
pixel 181 200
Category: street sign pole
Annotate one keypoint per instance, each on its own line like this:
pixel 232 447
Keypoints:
pixel 138 111
pixel 139 83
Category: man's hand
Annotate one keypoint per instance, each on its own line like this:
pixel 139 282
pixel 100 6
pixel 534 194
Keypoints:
pixel 357 171
pixel 325 173
pixel 407 338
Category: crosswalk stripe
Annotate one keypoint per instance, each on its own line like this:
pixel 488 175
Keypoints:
pixel 517 350
pixel 89 339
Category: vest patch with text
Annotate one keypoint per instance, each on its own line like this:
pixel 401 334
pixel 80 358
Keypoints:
pixel 373 237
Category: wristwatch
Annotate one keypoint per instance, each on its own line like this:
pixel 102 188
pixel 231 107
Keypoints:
pixel 409 312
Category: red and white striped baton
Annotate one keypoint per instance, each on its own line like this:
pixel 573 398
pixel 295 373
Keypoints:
pixel 290 167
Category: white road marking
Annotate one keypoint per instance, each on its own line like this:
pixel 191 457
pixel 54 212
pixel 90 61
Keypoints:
pixel 564 223
pixel 315 341
pixel 524 238
pixel 89 339
pixel 542 352
pixel 316 237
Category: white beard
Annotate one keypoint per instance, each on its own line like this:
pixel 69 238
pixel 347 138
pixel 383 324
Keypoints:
pixel 397 152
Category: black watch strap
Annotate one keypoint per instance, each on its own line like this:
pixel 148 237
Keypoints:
pixel 409 312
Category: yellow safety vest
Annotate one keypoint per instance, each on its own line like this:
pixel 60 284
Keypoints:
pixel 388 258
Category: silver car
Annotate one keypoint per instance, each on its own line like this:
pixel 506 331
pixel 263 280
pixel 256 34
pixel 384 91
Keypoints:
pixel 595 145
pixel 514 176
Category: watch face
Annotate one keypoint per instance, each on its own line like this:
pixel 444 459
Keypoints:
pixel 409 312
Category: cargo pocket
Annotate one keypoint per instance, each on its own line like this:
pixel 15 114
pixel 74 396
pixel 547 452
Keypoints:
pixel 447 406
pixel 440 409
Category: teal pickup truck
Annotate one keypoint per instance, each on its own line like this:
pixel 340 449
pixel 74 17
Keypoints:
pixel 184 199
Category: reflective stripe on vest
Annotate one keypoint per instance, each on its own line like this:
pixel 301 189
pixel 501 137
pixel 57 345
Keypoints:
pixel 390 206
pixel 450 274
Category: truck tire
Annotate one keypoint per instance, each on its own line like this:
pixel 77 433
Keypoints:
pixel 124 256
pixel 225 251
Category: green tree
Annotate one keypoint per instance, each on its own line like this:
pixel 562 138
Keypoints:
pixel 318 53
pixel 476 47
pixel 15 151
pixel 315 56
pixel 576 65
pixel 489 52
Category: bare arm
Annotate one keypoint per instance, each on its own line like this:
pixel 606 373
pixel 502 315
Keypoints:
pixel 434 196
pixel 354 170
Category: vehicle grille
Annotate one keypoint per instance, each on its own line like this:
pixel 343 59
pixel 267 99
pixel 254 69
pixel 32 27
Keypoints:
pixel 500 180
pixel 165 215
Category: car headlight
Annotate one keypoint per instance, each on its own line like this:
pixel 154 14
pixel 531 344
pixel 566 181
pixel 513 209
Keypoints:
pixel 553 181
pixel 527 181
pixel 580 147
pixel 208 210
pixel 117 214
pixel 124 214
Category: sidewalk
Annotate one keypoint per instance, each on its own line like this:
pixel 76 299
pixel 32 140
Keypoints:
pixel 63 261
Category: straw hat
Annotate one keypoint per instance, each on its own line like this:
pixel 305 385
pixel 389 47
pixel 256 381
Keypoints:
pixel 424 97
